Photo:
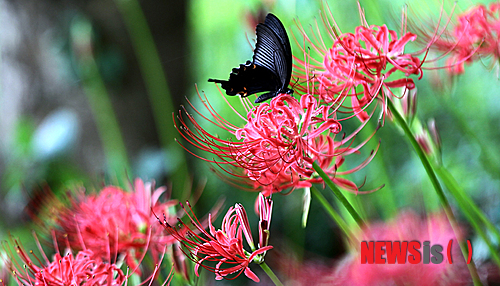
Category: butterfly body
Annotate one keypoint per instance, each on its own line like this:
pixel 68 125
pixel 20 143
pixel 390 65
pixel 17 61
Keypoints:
pixel 271 67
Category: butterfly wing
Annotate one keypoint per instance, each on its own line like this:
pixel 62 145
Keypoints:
pixel 273 51
pixel 279 30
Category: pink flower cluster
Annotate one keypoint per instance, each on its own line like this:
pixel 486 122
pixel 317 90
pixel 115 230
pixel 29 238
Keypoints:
pixel 104 228
pixel 360 66
pixel 70 270
pixel 277 137
pixel 115 221
pixel 474 35
pixel 84 268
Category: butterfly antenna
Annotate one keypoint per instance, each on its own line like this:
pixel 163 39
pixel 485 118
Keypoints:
pixel 250 42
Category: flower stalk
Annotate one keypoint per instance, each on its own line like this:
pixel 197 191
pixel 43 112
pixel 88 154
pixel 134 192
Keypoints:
pixel 471 211
pixel 271 274
pixel 331 211
pixel 343 200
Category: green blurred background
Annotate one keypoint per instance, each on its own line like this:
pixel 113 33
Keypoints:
pixel 86 101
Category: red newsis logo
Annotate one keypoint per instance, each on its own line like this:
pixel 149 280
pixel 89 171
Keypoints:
pixel 401 252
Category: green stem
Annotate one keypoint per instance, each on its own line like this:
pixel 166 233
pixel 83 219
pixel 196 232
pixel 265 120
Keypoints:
pixel 470 210
pixel 271 274
pixel 420 153
pixel 437 187
pixel 338 194
pixel 331 211
pixel 460 195
pixel 155 80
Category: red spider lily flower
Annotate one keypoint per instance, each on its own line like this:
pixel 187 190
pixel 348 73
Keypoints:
pixel 278 143
pixel 81 269
pixel 474 35
pixel 330 156
pixel 360 65
pixel 116 222
pixel 276 136
pixel 223 246
pixel 84 268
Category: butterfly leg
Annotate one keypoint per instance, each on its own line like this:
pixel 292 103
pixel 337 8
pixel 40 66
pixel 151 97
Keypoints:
pixel 265 97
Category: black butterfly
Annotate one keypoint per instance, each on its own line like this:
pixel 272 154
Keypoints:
pixel 271 68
